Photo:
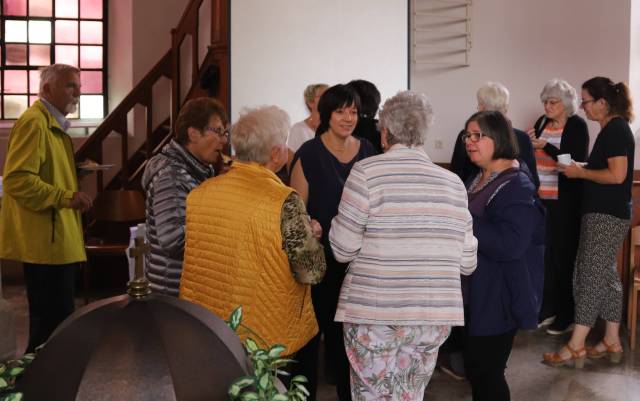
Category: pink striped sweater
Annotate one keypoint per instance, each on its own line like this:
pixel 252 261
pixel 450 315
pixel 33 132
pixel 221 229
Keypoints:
pixel 404 225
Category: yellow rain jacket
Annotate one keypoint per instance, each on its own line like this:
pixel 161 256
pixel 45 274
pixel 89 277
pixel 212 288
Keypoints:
pixel 36 223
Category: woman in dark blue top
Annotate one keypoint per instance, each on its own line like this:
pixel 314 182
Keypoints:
pixel 503 294
pixel 320 168
pixel 606 214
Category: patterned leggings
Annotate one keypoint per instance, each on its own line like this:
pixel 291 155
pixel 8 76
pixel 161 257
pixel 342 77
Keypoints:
pixel 597 289
pixel 392 362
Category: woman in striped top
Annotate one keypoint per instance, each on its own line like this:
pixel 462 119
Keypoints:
pixel 404 226
pixel 559 131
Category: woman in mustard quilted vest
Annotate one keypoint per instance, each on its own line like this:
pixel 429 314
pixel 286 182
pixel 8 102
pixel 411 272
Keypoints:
pixel 249 240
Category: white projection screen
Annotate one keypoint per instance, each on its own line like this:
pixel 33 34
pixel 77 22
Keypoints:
pixel 278 47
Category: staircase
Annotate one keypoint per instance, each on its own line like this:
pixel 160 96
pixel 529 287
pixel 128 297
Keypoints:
pixel 199 53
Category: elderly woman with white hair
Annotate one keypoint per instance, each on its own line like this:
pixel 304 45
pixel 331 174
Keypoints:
pixel 404 226
pixel 249 241
pixel 559 131
pixel 493 96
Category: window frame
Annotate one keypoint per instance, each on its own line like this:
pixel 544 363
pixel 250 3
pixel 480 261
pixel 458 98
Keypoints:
pixel 28 67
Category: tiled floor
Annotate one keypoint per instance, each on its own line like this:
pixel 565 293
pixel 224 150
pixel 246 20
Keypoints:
pixel 529 379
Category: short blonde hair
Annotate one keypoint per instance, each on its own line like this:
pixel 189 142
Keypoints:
pixel 310 92
pixel 257 131
pixel 493 96
pixel 52 72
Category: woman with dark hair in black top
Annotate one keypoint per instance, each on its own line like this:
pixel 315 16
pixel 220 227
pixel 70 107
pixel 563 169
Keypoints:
pixel 320 168
pixel 606 208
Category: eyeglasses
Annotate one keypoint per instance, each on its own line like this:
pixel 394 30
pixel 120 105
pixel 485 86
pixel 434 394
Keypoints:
pixel 473 136
pixel 582 103
pixel 220 131
pixel 551 102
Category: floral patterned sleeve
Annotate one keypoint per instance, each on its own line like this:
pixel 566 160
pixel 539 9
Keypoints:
pixel 305 253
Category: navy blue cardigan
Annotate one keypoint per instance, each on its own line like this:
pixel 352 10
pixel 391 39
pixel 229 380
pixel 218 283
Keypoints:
pixel 505 291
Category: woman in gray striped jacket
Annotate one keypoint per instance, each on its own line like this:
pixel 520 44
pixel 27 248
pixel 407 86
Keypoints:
pixel 183 164
pixel 404 225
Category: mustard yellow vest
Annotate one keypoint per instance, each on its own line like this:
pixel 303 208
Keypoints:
pixel 234 256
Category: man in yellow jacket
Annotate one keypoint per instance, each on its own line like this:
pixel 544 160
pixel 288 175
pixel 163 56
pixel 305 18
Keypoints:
pixel 40 222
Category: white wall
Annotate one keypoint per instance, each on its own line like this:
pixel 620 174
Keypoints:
pixel 523 44
pixel 278 47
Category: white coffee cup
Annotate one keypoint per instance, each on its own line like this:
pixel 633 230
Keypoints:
pixel 565 159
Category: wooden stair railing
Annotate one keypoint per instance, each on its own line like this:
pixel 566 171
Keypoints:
pixel 170 66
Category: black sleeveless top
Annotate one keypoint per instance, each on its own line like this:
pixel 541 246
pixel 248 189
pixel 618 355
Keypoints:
pixel 326 176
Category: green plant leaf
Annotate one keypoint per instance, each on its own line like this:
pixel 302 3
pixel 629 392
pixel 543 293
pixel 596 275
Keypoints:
pixel 12 397
pixel 14 372
pixel 282 372
pixel 282 361
pixel 249 396
pixel 299 379
pixel 251 345
pixel 276 350
pixel 279 397
pixel 238 384
pixel 265 381
pixel 235 318
pixel 28 357
pixel 302 388
pixel 3 383
pixel 3 368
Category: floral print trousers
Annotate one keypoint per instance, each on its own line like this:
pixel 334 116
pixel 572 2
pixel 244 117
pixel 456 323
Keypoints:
pixel 392 362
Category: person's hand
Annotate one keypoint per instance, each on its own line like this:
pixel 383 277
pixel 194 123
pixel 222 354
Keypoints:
pixel 532 134
pixel 316 229
pixel 538 143
pixel 81 201
pixel 573 170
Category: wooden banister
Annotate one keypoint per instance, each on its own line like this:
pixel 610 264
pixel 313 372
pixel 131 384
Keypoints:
pixel 142 94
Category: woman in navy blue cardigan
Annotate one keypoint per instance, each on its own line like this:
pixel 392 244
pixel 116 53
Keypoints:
pixel 503 295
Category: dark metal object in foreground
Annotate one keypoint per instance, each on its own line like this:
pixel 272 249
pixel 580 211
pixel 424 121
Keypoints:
pixel 149 348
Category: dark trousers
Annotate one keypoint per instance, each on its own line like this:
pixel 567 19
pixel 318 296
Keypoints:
pixel 485 359
pixel 325 301
pixel 50 292
pixel 561 244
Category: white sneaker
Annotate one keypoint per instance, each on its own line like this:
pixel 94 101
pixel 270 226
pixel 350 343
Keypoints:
pixel 546 322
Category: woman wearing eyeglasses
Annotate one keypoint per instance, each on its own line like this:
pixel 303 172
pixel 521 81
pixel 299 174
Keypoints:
pixel 606 213
pixel 503 294
pixel 559 131
pixel 169 176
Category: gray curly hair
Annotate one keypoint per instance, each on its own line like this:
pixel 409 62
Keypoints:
pixel 407 116
pixel 560 89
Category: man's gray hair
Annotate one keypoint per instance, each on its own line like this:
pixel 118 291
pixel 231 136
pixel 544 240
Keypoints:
pixel 561 90
pixel 257 131
pixel 52 72
pixel 493 96
pixel 407 116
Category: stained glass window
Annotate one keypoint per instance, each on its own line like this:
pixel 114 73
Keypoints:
pixel 37 33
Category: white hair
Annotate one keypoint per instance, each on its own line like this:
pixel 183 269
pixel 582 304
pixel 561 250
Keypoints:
pixel 257 131
pixel 407 116
pixel 560 89
pixel 493 96
pixel 53 72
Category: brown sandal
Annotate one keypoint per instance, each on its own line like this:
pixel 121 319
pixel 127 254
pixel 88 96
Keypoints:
pixel 613 351
pixel 576 358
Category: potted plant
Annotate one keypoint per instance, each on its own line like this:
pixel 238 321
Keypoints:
pixel 9 372
pixel 263 384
